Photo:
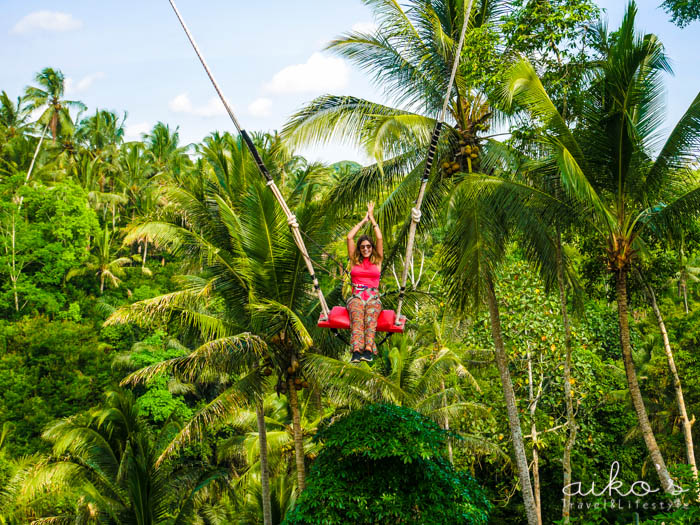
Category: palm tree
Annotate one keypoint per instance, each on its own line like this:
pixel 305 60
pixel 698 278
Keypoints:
pixel 481 221
pixel 607 166
pixel 163 146
pixel 101 132
pixel 280 440
pixel 101 135
pixel 410 56
pixel 235 359
pixel 56 117
pixel 409 375
pixel 136 185
pixel 106 459
pixel 104 264
pixel 227 226
pixel 676 381
pixel 13 116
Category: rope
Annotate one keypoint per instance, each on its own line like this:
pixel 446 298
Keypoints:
pixel 415 211
pixel 340 265
pixel 291 219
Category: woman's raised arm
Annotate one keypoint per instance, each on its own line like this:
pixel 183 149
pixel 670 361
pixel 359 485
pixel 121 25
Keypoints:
pixel 351 236
pixel 377 232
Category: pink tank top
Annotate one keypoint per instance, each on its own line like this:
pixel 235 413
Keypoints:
pixel 365 274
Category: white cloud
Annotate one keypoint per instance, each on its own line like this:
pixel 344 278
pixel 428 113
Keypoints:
pixel 47 21
pixel 134 131
pixel 182 104
pixel 365 27
pixel 83 84
pixel 260 107
pixel 317 74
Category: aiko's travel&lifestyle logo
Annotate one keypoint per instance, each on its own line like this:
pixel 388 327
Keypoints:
pixel 616 495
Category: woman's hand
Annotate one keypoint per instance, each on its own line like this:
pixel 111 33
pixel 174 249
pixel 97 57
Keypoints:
pixel 370 212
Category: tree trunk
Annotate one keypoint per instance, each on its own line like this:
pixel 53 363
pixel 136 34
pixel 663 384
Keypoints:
pixel 533 431
pixel 568 394
pixel 31 164
pixel 145 251
pixel 687 427
pixel 511 405
pixel 102 283
pixel 298 438
pixel 446 421
pixel 14 275
pixel 264 471
pixel 633 384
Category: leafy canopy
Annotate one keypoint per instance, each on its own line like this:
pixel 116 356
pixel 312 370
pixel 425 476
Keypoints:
pixel 384 464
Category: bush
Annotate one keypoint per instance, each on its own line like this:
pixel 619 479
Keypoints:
pixel 385 464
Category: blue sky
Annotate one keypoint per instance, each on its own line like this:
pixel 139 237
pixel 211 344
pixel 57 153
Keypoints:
pixel 133 56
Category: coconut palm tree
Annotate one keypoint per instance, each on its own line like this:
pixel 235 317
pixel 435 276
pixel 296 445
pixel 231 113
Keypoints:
pixel 607 165
pixel 104 264
pixel 481 221
pixel 14 117
pixel 101 132
pixel 227 226
pixel 410 55
pixel 56 117
pixel 107 460
pixel 232 360
pixel 163 146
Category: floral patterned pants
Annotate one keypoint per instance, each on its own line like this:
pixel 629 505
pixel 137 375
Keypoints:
pixel 363 322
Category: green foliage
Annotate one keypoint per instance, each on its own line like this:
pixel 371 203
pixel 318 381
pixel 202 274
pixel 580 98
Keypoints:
pixel 53 240
pixel 683 12
pixel 48 370
pixel 157 403
pixel 108 457
pixel 385 464
pixel 556 36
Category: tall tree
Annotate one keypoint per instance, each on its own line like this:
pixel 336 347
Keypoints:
pixel 478 231
pixel 606 164
pixel 236 237
pixel 108 267
pixel 49 95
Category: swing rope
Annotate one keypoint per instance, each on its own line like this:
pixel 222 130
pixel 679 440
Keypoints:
pixel 415 211
pixel 291 218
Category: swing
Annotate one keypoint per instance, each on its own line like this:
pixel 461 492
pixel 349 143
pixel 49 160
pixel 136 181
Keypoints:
pixel 339 319
pixel 389 321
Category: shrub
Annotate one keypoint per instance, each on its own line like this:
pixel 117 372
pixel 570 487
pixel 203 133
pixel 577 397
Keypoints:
pixel 385 464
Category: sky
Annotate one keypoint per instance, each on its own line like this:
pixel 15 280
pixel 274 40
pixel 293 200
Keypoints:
pixel 132 56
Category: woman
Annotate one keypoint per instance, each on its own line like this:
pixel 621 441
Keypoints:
pixel 364 305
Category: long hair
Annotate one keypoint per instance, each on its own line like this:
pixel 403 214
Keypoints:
pixel 357 258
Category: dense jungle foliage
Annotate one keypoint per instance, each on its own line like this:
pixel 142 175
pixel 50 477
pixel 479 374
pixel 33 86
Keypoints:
pixel 160 361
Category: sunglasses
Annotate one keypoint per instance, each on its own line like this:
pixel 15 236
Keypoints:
pixel 363 246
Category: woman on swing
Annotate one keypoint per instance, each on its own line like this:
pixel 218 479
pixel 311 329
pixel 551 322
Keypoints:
pixel 364 305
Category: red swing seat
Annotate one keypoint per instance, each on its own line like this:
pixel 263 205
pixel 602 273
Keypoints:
pixel 339 319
